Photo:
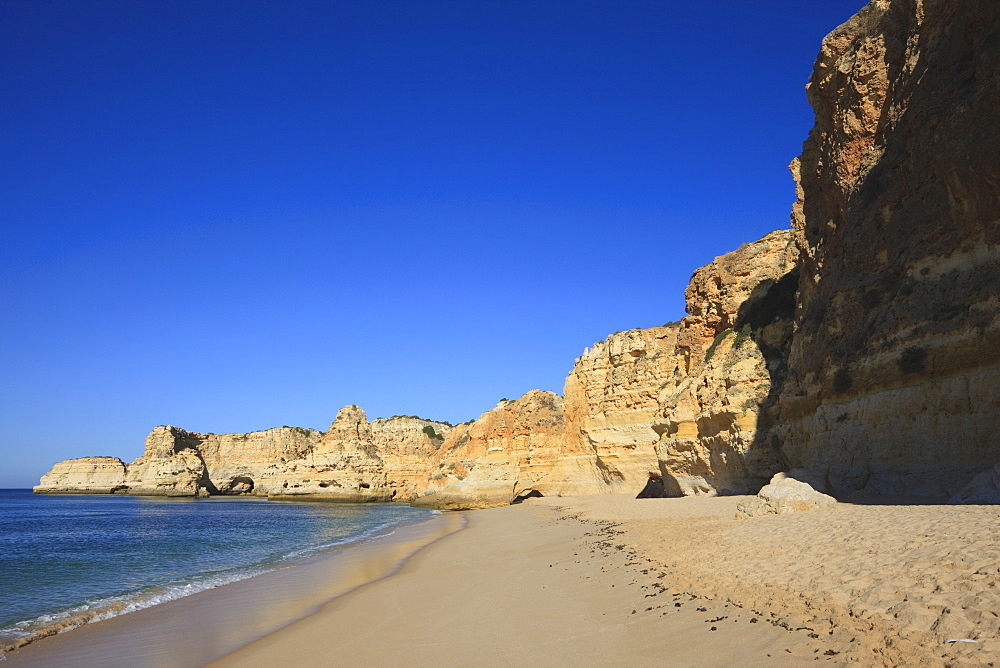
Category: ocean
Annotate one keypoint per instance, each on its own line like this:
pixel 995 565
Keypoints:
pixel 69 560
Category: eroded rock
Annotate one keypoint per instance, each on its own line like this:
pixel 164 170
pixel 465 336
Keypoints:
pixel 611 399
pixel 894 367
pixel 784 495
pixel 84 475
pixel 983 489
pixel 507 452
pixel 731 350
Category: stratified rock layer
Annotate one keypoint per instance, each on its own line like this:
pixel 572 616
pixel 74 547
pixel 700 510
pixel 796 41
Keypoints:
pixel 353 461
pixel 611 398
pixel 344 466
pixel 506 453
pixel 894 370
pixel 85 475
pixel 730 356
pixel 407 446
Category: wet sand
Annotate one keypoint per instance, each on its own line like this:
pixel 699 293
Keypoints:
pixel 197 629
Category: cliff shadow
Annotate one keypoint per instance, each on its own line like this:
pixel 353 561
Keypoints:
pixel 766 318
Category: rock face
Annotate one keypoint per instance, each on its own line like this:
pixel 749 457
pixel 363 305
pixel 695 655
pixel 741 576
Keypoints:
pixel 349 462
pixel 730 359
pixel 249 463
pixel 983 489
pixel 184 463
pixel 611 398
pixel 893 383
pixel 180 474
pixel 598 439
pixel 508 452
pixel 85 475
pixel 344 466
pixel 784 494
pixel 407 446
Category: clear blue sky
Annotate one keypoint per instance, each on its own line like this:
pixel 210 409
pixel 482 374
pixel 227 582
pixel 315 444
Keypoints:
pixel 230 216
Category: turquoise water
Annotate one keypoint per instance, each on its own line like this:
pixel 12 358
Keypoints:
pixel 69 560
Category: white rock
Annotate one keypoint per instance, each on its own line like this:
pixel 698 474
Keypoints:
pixel 784 495
pixel 983 489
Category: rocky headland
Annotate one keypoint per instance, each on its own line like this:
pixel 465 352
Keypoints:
pixel 857 352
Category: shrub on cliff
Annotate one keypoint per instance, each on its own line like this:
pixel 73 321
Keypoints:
pixel 715 344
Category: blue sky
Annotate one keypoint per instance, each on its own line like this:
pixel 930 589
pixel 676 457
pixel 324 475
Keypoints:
pixel 230 216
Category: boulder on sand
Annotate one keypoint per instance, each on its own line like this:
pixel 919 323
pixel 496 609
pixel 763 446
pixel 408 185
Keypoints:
pixel 783 495
pixel 983 489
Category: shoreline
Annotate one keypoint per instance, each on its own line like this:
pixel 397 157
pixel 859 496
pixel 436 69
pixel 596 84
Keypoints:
pixel 531 584
pixel 613 580
pixel 203 626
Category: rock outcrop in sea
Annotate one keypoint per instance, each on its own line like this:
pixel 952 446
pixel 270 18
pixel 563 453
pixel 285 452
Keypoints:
pixel 84 475
pixel 861 348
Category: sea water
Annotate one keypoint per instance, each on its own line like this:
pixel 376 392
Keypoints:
pixel 69 560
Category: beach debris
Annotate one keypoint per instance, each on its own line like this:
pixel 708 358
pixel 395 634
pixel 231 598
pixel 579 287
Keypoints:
pixel 951 640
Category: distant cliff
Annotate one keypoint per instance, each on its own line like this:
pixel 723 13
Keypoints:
pixel 347 463
pixel 862 345
pixel 606 434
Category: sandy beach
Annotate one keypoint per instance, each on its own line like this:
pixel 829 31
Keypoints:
pixel 524 585
pixel 611 580
pixel 876 584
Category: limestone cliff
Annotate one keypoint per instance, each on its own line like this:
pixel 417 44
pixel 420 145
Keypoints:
pixel 177 462
pixel 598 439
pixel 611 398
pixel 180 474
pixel 407 446
pixel 249 463
pixel 893 382
pixel 731 348
pixel 353 461
pixel 506 453
pixel 85 475
pixel 343 466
